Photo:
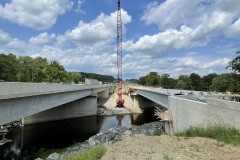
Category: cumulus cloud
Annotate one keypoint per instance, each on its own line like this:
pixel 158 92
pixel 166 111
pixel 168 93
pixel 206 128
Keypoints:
pixel 42 39
pixel 11 45
pixel 36 14
pixel 173 14
pixel 4 37
pixel 136 65
pixel 103 28
pixel 219 62
pixel 185 25
pixel 162 43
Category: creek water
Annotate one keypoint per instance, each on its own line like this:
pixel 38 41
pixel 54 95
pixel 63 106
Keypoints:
pixel 64 133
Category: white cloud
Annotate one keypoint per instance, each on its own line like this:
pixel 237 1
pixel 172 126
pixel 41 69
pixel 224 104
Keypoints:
pixel 185 25
pixel 234 30
pixel 136 65
pixel 103 28
pixel 173 14
pixel 35 14
pixel 216 63
pixel 42 39
pixel 11 45
pixel 162 43
pixel 78 6
pixel 4 37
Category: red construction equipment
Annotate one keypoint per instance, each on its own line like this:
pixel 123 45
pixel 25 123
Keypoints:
pixel 120 101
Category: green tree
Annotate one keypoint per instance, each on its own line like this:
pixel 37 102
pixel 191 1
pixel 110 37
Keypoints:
pixel 142 80
pixel 207 80
pixel 25 69
pixel 75 76
pixel 165 82
pixel 181 84
pixel 197 82
pixel 226 82
pixel 55 73
pixel 153 79
pixel 234 65
pixel 31 69
pixel 103 78
pixel 187 80
pixel 8 67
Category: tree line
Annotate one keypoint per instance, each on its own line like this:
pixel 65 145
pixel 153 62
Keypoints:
pixel 28 69
pixel 99 77
pixel 211 82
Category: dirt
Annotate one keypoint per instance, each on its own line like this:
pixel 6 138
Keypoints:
pixel 164 147
pixel 110 106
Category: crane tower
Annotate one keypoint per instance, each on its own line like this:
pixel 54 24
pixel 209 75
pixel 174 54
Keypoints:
pixel 120 101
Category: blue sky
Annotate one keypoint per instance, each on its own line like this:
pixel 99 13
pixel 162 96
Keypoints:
pixel 166 36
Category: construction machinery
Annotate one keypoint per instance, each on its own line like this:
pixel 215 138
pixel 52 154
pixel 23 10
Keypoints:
pixel 120 101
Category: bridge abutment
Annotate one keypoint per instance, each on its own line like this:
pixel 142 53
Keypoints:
pixel 80 108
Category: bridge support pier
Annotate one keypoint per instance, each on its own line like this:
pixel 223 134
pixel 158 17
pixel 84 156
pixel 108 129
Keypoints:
pixel 111 90
pixel 104 94
pixel 80 108
pixel 142 102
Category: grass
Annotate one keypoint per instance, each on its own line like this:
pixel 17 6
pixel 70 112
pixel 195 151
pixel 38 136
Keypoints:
pixel 94 153
pixel 44 153
pixel 219 132
pixel 166 156
pixel 157 133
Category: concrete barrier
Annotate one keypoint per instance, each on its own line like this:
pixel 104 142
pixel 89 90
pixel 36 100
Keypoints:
pixel 186 113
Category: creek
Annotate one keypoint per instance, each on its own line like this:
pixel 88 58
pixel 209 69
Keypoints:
pixel 64 133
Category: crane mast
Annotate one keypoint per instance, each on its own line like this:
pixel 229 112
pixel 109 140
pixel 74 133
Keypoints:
pixel 120 101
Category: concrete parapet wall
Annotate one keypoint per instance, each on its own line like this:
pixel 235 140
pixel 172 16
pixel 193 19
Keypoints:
pixel 15 89
pixel 186 113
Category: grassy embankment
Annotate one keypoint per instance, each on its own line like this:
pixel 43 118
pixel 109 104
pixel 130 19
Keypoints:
pixel 219 132
pixel 94 153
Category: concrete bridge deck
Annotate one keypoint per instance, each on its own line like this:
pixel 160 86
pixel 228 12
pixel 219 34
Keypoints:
pixel 18 100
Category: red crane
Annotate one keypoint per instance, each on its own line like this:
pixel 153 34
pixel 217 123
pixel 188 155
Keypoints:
pixel 120 101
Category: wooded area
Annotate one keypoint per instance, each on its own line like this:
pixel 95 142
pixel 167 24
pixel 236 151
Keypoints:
pixel 28 69
pixel 211 82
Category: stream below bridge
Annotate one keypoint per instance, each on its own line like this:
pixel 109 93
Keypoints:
pixel 59 134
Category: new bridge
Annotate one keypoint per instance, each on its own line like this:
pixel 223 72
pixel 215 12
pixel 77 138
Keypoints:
pixel 183 108
pixel 39 101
